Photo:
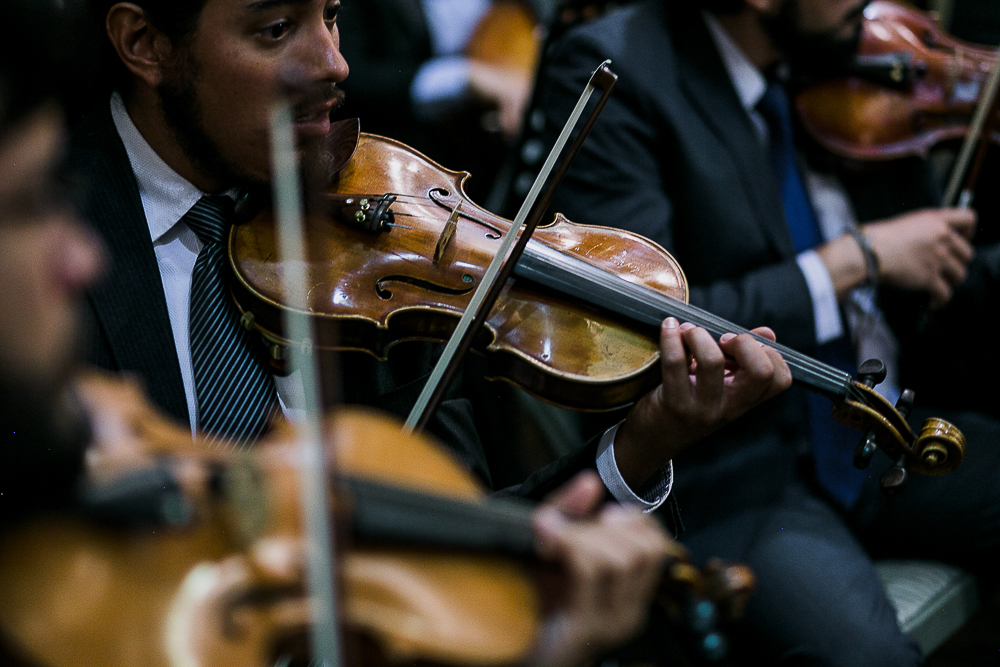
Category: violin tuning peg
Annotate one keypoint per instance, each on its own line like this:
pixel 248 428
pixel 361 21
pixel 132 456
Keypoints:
pixel 905 402
pixel 895 478
pixel 872 372
pixel 865 450
pixel 729 586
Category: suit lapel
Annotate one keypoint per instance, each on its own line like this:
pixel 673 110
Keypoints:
pixel 129 304
pixel 705 80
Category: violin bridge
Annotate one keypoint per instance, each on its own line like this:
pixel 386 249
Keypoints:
pixel 447 233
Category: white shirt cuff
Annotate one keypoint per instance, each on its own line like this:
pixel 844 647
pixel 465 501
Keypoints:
pixel 440 83
pixel 826 312
pixel 654 492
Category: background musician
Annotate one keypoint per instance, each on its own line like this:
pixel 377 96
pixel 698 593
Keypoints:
pixel 415 80
pixel 696 150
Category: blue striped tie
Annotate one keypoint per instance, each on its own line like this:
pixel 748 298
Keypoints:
pixel 236 394
pixel 833 443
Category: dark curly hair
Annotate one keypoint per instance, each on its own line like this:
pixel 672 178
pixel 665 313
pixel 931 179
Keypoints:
pixel 177 19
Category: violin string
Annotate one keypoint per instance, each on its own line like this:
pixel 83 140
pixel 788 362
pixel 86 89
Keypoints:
pixel 808 366
pixel 555 265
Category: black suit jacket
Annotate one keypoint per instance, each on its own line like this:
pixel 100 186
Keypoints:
pixel 130 326
pixel 674 157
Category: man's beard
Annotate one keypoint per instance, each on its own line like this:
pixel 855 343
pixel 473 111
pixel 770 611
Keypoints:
pixel 182 109
pixel 179 98
pixel 812 53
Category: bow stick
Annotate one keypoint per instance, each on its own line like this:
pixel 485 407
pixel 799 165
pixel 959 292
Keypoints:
pixel 502 266
pixel 325 641
pixel 985 107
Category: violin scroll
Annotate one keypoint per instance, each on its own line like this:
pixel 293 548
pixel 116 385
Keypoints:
pixel 937 450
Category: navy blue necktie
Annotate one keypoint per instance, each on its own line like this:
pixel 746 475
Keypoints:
pixel 236 394
pixel 833 443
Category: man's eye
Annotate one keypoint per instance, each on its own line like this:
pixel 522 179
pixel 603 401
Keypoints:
pixel 277 30
pixel 330 13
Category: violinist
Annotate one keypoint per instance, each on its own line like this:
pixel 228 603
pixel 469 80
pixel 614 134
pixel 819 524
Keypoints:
pixel 189 117
pixel 187 125
pixel 697 151
pixel 47 261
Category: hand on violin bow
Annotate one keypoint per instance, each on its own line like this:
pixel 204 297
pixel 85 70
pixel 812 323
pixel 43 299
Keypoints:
pixel 705 385
pixel 925 250
pixel 508 90
pixel 609 560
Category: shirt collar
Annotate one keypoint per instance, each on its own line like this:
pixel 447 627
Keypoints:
pixel 748 81
pixel 166 195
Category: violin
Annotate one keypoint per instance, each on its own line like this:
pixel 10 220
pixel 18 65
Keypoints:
pixel 157 595
pixel 911 87
pixel 398 248
pixel 172 565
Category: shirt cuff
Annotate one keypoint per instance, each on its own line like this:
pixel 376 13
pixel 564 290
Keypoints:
pixel 826 312
pixel 440 83
pixel 652 494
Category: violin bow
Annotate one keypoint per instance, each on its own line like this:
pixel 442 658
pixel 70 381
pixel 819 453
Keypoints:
pixel 957 192
pixel 502 266
pixel 325 640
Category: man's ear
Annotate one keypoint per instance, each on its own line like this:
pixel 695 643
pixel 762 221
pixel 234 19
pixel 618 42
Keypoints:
pixel 141 47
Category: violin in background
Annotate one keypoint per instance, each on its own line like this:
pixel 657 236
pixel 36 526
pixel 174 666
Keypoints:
pixel 911 87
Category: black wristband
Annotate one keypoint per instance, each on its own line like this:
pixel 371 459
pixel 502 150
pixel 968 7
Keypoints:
pixel 871 259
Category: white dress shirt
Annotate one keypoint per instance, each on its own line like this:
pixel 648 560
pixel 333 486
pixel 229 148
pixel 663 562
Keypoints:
pixel 442 82
pixel 872 335
pixel 166 198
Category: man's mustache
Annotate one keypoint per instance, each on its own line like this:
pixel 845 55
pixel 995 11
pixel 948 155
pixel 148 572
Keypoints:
pixel 318 96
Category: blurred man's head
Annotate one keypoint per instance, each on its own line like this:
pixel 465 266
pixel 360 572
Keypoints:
pixel 199 77
pixel 816 35
pixel 813 35
pixel 46 258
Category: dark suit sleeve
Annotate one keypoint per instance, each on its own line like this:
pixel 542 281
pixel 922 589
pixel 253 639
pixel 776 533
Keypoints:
pixel 641 171
pixel 379 385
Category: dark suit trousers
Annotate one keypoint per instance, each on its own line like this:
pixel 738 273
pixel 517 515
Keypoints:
pixel 819 601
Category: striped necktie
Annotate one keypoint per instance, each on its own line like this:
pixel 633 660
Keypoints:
pixel 833 443
pixel 236 394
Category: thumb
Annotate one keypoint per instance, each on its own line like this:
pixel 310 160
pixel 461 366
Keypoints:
pixel 579 497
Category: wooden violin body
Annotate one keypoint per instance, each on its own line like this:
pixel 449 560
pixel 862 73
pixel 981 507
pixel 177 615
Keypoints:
pixel 429 570
pixel 201 592
pixel 923 89
pixel 397 250
pixel 376 290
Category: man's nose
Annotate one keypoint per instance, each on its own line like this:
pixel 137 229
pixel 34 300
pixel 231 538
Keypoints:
pixel 321 55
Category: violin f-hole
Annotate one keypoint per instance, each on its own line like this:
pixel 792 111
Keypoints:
pixel 385 293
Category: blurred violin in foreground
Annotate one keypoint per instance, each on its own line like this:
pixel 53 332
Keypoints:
pixel 191 555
